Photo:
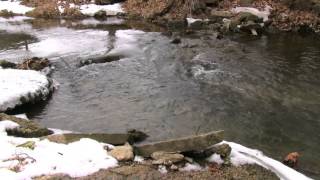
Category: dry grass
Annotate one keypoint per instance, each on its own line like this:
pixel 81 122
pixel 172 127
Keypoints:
pixel 49 8
pixel 169 9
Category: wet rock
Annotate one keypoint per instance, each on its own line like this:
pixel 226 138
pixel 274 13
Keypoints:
pixel 185 144
pixel 107 2
pixel 176 24
pixel 291 159
pixel 250 27
pixel 34 63
pixel 6 64
pixel 166 158
pixel 176 41
pixel 103 2
pixel 200 24
pixel 99 60
pixel 26 128
pixel 122 153
pixel 136 136
pixel 224 150
pixel 100 14
pixel 114 139
pixel 246 22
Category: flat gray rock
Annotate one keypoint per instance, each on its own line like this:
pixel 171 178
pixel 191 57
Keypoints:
pixel 192 143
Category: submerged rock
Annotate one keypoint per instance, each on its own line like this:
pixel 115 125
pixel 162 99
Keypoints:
pixel 185 144
pixel 26 128
pixel 122 153
pixel 99 60
pixel 19 87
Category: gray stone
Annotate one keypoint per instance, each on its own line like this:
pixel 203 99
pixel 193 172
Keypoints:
pixel 114 139
pixel 166 158
pixel 198 142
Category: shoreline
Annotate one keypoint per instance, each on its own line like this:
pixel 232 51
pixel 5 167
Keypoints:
pixel 201 25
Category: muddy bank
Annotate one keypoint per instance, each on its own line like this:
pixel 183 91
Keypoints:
pixel 145 171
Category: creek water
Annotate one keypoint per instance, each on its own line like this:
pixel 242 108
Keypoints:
pixel 263 91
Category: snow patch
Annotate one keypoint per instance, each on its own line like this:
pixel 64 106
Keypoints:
pixel 111 10
pixel 16 85
pixel 262 14
pixel 6 124
pixel 215 158
pixel 162 169
pixel 138 159
pixel 191 167
pixel 15 7
pixel 76 159
pixel 193 20
pixel 242 155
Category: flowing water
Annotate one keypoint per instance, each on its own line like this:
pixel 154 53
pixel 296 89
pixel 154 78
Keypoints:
pixel 264 92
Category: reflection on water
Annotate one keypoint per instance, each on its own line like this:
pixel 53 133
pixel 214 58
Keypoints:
pixel 263 92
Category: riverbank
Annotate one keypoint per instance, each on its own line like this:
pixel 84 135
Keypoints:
pixel 32 152
pixel 223 16
pixel 96 77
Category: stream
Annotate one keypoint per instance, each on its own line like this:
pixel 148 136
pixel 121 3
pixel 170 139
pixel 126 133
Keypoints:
pixel 263 91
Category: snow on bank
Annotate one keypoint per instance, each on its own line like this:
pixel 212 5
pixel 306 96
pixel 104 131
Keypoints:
pixel 18 85
pixel 76 159
pixel 262 14
pixel 111 10
pixel 190 21
pixel 241 155
pixel 15 7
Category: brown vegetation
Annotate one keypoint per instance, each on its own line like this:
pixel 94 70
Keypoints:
pixel 50 8
pixel 6 13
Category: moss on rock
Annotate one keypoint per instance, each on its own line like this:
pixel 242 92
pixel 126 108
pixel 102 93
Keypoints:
pixel 26 128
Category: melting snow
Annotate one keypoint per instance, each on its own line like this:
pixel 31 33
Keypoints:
pixel 262 14
pixel 241 155
pixel 76 159
pixel 14 6
pixel 18 84
pixel 111 10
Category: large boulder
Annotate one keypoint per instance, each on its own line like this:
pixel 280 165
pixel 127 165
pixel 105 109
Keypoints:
pixel 18 87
